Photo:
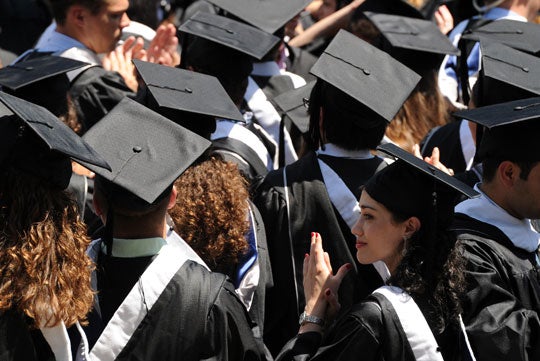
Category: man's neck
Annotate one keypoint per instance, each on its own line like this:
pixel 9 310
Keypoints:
pixel 72 33
pixel 499 197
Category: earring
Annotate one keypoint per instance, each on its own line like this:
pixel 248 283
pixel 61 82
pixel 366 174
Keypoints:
pixel 404 249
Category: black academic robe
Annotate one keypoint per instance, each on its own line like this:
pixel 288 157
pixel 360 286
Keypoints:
pixel 310 210
pixel 502 305
pixel 370 331
pixel 447 139
pixel 95 92
pixel 18 342
pixel 187 314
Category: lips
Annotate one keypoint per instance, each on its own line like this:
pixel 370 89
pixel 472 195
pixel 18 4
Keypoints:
pixel 360 244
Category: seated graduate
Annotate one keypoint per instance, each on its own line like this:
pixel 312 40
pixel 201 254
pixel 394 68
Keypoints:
pixel 506 75
pixel 502 306
pixel 354 98
pixel 225 48
pixel 156 300
pixel 418 44
pixel 214 215
pixel 406 210
pixel 45 283
pixel 190 99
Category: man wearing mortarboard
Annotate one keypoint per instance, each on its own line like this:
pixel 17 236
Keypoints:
pixel 358 91
pixel 156 299
pixel 502 305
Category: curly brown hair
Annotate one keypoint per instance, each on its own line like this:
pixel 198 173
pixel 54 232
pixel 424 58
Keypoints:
pixel 425 109
pixel 44 269
pixel 211 212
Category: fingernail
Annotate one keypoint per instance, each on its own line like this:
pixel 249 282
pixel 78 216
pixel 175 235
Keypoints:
pixel 313 234
pixel 348 266
pixel 327 292
pixel 306 255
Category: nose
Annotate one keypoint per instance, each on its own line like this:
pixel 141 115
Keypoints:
pixel 124 21
pixel 357 228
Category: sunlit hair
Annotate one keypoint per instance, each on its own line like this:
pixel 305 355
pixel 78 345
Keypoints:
pixel 211 212
pixel 425 109
pixel 45 272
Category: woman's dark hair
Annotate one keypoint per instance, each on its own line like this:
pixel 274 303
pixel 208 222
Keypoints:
pixel 432 266
pixel 346 122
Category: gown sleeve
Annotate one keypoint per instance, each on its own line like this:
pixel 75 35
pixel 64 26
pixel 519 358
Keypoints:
pixel 356 336
pixel 95 92
pixel 501 305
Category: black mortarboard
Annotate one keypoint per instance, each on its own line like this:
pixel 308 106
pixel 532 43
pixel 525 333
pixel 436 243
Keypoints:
pixel 506 74
pixel 412 187
pixel 417 43
pixel 41 80
pixel 367 74
pixel 146 151
pixel 293 105
pixel 521 35
pixel 394 7
pixel 268 15
pixel 186 91
pixel 512 129
pixel 36 141
pixel 230 33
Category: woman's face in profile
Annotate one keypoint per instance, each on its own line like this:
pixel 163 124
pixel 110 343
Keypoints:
pixel 378 236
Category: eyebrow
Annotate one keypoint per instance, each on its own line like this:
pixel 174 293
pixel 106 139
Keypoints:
pixel 368 207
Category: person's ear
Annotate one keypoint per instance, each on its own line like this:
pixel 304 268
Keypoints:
pixel 508 172
pixel 76 15
pixel 172 198
pixel 412 225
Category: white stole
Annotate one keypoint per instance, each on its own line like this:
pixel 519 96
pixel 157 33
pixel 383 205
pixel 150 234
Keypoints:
pixel 413 322
pixel 343 199
pixel 140 299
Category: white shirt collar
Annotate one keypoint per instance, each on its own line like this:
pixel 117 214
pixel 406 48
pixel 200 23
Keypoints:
pixel 484 209
pixel 501 13
pixel 131 248
pixel 267 68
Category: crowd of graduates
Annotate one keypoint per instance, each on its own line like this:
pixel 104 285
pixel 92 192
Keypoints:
pixel 270 180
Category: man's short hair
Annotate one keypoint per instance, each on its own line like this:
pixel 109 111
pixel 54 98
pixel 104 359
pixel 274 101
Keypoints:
pixel 59 8
pixel 490 165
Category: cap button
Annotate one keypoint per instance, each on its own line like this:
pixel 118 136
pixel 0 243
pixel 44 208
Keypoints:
pixel 229 31
pixel 29 68
pixel 367 72
pixel 188 90
pixel 519 31
pixel 137 149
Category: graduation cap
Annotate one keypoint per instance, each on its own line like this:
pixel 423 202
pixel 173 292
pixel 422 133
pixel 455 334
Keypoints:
pixel 394 7
pixel 186 91
pixel 412 187
pixel 520 35
pixel 512 129
pixel 41 80
pixel 367 74
pixel 36 141
pixel 293 105
pixel 506 74
pixel 268 15
pixel 230 33
pixel 417 43
pixel 145 150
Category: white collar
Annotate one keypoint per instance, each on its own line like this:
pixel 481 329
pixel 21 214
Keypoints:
pixel 336 151
pixel 501 13
pixel 131 248
pixel 267 68
pixel 468 147
pixel 484 209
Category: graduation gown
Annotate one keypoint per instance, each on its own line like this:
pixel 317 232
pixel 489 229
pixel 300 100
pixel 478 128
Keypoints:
pixel 178 310
pixel 310 210
pixel 502 305
pixel 370 331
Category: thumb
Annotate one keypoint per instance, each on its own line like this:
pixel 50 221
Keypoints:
pixel 342 272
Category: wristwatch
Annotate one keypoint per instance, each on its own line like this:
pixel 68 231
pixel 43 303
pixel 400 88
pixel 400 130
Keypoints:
pixel 305 318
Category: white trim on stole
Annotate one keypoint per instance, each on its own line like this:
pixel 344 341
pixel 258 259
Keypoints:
pixel 140 299
pixel 414 324
pixel 347 205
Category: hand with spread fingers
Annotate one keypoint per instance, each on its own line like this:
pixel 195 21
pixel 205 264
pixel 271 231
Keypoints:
pixel 320 284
